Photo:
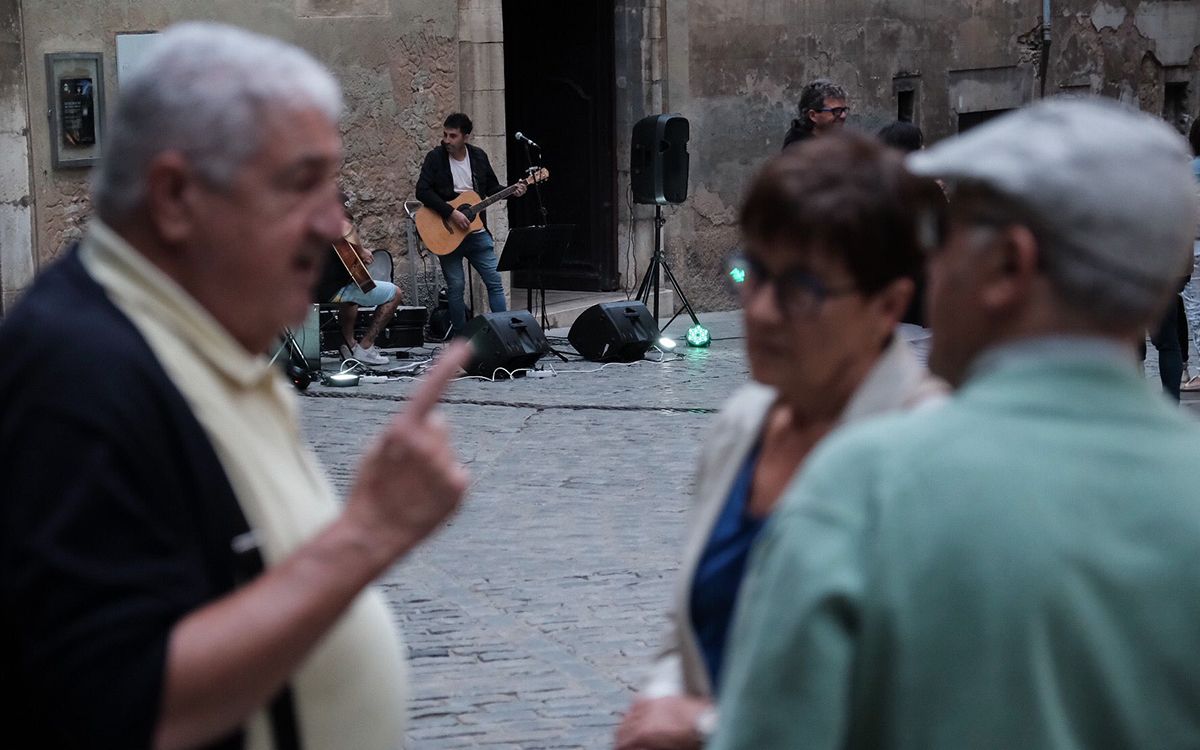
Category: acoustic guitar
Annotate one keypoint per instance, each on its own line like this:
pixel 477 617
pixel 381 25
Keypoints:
pixel 442 237
pixel 347 252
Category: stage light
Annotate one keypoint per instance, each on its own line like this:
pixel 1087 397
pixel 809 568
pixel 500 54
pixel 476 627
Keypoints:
pixel 342 380
pixel 698 335
pixel 666 343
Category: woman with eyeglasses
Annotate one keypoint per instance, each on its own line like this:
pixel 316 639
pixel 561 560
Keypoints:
pixel 832 231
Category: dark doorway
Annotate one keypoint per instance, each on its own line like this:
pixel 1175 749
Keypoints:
pixel 559 91
pixel 968 120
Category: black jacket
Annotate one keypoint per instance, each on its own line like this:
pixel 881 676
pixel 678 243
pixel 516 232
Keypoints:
pixel 116 520
pixel 796 133
pixel 435 186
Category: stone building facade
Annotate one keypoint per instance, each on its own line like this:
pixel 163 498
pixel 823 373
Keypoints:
pixel 578 75
pixel 736 68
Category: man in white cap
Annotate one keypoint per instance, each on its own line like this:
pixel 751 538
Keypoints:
pixel 1018 568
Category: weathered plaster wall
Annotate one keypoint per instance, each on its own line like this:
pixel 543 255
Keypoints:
pixel 639 82
pixel 16 214
pixel 736 68
pixel 398 61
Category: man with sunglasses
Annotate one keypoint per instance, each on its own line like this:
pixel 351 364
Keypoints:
pixel 1017 568
pixel 822 110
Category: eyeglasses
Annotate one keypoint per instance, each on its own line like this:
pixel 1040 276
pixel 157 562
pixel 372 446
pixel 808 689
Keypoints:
pixel 798 294
pixel 835 111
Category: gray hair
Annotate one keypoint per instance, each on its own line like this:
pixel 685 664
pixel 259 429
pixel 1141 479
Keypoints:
pixel 203 90
pixel 1083 280
pixel 813 96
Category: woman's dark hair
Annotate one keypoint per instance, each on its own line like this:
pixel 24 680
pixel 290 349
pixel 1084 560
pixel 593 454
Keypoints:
pixel 849 198
pixel 458 121
pixel 1194 136
pixel 903 136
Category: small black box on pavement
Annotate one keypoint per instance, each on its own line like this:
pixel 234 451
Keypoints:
pixel 509 340
pixel 619 331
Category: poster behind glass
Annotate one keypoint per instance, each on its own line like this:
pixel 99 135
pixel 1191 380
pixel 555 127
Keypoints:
pixel 75 89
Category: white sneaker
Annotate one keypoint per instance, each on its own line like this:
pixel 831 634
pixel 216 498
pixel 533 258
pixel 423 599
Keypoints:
pixel 370 356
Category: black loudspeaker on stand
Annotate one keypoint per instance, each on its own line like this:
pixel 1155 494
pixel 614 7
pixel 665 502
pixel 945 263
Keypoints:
pixel 658 165
pixel 658 169
pixel 504 341
pixel 614 331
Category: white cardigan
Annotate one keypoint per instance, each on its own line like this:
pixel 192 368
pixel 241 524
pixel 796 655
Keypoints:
pixel 896 382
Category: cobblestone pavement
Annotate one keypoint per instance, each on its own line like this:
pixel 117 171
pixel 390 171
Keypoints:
pixel 530 618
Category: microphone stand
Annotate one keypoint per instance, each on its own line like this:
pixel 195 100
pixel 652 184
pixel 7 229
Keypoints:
pixel 537 273
pixel 537 190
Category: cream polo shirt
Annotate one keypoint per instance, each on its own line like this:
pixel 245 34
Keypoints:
pixel 352 690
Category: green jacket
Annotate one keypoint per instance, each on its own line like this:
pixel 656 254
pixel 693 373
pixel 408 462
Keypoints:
pixel 1017 569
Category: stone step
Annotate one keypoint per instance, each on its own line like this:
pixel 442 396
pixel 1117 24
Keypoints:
pixel 564 307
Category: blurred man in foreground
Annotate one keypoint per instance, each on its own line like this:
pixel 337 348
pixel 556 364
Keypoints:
pixel 175 571
pixel 1017 569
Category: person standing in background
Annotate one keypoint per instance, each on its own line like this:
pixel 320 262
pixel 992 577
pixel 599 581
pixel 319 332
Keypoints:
pixel 1191 292
pixel 822 109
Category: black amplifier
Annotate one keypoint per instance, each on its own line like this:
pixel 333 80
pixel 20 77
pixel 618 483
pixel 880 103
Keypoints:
pixel 406 329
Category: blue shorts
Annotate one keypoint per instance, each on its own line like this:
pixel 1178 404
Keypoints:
pixel 383 293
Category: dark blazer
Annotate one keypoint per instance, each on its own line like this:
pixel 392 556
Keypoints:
pixel 435 186
pixel 111 537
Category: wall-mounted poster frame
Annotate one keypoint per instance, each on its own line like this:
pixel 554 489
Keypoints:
pixel 75 94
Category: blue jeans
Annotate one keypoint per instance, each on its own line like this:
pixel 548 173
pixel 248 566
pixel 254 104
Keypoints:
pixel 477 248
pixel 1191 303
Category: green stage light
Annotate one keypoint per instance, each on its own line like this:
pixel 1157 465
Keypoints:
pixel 698 335
pixel 738 274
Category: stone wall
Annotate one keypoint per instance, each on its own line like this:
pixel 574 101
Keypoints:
pixel 398 61
pixel 735 68
pixel 16 213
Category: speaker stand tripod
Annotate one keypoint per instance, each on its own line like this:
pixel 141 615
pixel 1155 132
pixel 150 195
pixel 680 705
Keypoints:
pixel 650 279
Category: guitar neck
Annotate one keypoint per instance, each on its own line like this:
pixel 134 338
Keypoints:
pixel 483 204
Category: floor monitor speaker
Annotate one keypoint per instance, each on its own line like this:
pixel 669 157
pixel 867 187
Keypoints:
pixel 504 341
pixel 614 331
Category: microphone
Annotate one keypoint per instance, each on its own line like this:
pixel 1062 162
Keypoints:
pixel 524 138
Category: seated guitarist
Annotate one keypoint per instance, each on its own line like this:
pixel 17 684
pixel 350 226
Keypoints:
pixel 337 286
pixel 448 170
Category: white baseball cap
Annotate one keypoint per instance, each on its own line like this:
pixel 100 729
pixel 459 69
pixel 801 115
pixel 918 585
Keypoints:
pixel 1113 183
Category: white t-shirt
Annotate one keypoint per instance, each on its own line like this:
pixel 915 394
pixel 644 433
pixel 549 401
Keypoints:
pixel 461 172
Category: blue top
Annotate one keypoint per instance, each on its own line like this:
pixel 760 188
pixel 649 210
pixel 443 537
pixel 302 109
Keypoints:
pixel 719 572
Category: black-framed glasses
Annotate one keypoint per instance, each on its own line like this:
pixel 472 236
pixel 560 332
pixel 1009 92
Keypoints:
pixel 835 111
pixel 799 294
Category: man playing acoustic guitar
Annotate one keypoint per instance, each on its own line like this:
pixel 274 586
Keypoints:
pixel 452 168
pixel 339 286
